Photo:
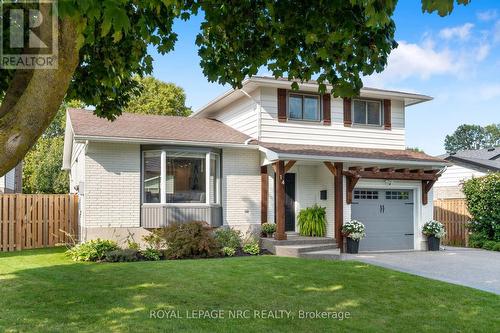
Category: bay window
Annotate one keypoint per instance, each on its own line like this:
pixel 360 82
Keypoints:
pixel 181 177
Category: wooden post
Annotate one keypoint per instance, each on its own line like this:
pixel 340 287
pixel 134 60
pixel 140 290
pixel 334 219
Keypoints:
pixel 264 193
pixel 339 205
pixel 280 201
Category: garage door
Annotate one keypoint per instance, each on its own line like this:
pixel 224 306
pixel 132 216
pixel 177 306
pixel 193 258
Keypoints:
pixel 387 216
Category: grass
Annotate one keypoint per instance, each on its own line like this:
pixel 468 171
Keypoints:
pixel 43 291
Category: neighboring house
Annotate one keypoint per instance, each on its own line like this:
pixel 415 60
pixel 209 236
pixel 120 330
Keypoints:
pixel 466 164
pixel 12 181
pixel 257 154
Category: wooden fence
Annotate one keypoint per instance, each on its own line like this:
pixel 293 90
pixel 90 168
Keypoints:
pixel 454 215
pixel 30 221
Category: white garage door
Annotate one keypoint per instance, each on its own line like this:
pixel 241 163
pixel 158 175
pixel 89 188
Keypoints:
pixel 387 216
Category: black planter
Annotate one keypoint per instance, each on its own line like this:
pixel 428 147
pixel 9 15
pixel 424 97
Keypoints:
pixel 433 243
pixel 352 245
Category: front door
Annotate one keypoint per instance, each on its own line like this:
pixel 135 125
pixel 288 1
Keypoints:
pixel 289 202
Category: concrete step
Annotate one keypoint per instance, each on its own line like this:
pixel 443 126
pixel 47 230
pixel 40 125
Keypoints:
pixel 299 240
pixel 297 250
pixel 332 254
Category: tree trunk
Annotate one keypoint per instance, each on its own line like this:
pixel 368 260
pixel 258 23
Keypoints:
pixel 34 96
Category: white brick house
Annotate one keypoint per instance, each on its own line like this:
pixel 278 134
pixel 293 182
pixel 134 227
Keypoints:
pixel 257 154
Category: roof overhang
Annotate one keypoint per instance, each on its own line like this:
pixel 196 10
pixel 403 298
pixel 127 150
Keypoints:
pixel 250 84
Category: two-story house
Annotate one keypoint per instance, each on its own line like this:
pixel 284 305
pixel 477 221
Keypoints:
pixel 257 154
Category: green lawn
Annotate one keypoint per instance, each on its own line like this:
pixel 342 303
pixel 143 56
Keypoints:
pixel 43 291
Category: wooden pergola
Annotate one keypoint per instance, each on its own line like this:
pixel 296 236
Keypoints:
pixel 353 175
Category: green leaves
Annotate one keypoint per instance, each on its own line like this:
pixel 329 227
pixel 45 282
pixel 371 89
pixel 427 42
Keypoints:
pixel 312 221
pixel 443 7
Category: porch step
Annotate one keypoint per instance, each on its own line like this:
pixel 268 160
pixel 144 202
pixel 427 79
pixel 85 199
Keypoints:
pixel 332 254
pixel 298 250
pixel 298 240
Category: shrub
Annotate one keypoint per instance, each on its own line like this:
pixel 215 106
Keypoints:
pixel 131 243
pixel 434 228
pixel 489 245
pixel 252 247
pixel 354 230
pixel 312 221
pixel 228 237
pixel 476 240
pixel 94 250
pixel 496 247
pixel 154 239
pixel 483 202
pixel 268 228
pixel 151 254
pixel 122 255
pixel 193 239
pixel 228 251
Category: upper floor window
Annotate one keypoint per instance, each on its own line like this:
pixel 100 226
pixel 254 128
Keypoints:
pixel 367 112
pixel 304 107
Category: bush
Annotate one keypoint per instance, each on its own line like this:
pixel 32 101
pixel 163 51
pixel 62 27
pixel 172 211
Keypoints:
pixel 312 221
pixel 193 239
pixel 496 247
pixel 476 240
pixel 154 240
pixel 354 230
pixel 483 202
pixel 228 251
pixel 94 250
pixel 252 247
pixel 151 254
pixel 268 228
pixel 122 255
pixel 228 237
pixel 489 245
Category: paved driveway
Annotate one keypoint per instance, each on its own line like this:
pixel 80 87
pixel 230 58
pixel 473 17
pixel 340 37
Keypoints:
pixel 469 267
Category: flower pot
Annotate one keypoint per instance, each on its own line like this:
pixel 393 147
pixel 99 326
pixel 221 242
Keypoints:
pixel 433 243
pixel 352 245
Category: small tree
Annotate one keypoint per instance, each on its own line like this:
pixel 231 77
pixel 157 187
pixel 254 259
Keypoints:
pixel 483 201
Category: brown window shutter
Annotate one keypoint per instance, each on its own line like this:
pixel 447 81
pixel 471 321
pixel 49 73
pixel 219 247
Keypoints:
pixel 347 112
pixel 282 105
pixel 387 114
pixel 327 114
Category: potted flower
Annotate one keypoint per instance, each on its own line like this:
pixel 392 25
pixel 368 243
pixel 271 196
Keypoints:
pixel 434 230
pixel 268 229
pixel 354 231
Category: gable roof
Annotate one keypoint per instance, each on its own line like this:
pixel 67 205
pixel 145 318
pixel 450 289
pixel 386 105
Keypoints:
pixel 153 128
pixel 487 159
pixel 254 82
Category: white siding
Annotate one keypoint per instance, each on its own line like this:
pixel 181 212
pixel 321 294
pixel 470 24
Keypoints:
pixel 10 178
pixel 77 173
pixel 242 115
pixel 455 174
pixel 241 188
pixel 112 185
pixel 295 132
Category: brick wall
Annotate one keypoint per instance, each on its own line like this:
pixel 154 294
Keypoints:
pixel 112 185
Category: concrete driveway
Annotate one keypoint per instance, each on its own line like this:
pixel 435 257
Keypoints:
pixel 474 268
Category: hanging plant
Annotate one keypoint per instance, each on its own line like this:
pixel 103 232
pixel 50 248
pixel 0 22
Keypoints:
pixel 312 221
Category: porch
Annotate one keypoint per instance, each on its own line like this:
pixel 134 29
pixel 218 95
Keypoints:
pixel 328 176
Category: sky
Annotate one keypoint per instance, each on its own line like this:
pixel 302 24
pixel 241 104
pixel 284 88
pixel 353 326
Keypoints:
pixel 454 59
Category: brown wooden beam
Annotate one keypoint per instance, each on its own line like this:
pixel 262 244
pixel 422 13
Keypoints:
pixel 391 170
pixel 331 167
pixel 351 182
pixel 426 187
pixel 404 170
pixel 390 175
pixel 289 165
pixel 264 193
pixel 373 169
pixel 280 201
pixel 417 171
pixel 339 205
pixel 355 168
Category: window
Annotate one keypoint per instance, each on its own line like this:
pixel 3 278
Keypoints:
pixel 184 179
pixel 367 112
pixel 397 195
pixel 365 194
pixel 304 107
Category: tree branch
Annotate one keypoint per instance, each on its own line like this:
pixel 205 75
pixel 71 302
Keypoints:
pixel 34 96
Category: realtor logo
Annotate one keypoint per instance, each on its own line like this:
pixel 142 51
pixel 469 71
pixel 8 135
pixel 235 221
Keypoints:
pixel 28 34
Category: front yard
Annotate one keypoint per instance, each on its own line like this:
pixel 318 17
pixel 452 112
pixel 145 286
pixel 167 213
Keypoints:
pixel 43 291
